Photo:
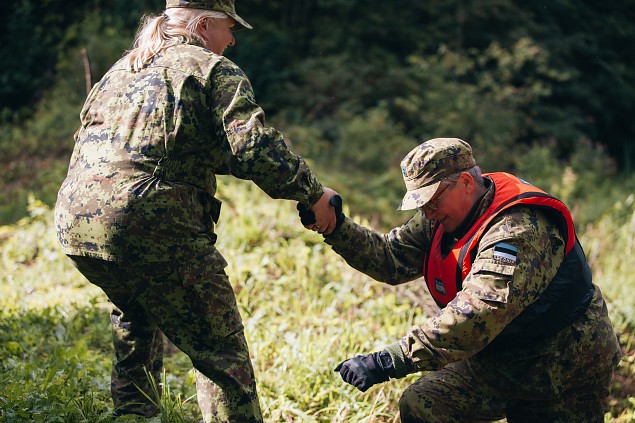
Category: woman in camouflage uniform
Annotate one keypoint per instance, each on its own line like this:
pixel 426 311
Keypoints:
pixel 137 210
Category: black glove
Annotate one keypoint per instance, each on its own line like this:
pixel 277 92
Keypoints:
pixel 365 371
pixel 308 218
pixel 336 202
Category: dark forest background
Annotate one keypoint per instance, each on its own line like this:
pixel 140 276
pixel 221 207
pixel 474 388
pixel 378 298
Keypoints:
pixel 545 89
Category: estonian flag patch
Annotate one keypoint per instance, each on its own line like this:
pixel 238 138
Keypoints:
pixel 505 253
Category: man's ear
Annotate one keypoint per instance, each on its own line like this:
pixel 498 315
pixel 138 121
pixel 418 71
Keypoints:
pixel 467 180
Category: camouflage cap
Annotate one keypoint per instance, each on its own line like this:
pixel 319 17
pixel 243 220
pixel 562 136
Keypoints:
pixel 428 164
pixel 225 6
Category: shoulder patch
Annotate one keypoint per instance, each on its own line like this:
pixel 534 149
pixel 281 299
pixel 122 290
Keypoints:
pixel 505 253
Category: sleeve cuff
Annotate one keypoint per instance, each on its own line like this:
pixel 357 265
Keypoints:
pixel 399 360
pixel 340 232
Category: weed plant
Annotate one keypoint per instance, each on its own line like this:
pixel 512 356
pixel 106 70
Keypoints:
pixel 304 311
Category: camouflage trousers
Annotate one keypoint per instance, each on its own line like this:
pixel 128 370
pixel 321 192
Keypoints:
pixel 564 379
pixel 194 305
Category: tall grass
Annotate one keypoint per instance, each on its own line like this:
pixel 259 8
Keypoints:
pixel 304 311
pixel 610 247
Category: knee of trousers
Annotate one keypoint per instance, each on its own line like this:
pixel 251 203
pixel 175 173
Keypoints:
pixel 229 355
pixel 415 406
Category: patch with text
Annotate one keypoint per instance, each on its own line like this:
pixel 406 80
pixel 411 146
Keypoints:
pixel 505 253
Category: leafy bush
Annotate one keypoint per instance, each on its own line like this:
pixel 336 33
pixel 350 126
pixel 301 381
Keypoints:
pixel 304 311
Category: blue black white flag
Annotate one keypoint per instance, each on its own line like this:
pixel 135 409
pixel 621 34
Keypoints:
pixel 505 253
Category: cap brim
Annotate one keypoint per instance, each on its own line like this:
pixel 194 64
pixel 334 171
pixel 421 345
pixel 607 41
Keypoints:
pixel 242 24
pixel 418 197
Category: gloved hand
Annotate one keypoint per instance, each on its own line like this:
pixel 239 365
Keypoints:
pixel 365 371
pixel 336 202
pixel 308 218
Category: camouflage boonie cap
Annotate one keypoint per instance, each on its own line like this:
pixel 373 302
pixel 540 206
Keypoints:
pixel 225 6
pixel 428 164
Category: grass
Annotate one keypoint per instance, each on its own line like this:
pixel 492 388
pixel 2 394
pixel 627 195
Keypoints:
pixel 304 311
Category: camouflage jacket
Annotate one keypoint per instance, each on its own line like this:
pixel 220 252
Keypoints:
pixel 465 326
pixel 142 176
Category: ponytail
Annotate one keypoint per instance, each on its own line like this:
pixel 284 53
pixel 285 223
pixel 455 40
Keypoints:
pixel 156 33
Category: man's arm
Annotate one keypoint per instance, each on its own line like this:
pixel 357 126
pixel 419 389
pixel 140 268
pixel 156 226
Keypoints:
pixel 494 293
pixel 394 257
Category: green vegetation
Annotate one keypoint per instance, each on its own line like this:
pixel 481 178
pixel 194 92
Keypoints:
pixel 304 311
pixel 541 89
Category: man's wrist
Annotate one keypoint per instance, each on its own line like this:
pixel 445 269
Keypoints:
pixel 338 230
pixel 402 365
pixel 384 360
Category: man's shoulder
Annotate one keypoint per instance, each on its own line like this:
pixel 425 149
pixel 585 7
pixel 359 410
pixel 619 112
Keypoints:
pixel 526 222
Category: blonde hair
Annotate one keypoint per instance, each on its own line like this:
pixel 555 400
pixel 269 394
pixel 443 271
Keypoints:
pixel 156 33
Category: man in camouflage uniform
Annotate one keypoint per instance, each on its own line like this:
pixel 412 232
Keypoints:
pixel 136 212
pixel 522 331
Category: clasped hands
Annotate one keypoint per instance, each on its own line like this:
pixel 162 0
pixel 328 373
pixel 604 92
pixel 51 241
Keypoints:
pixel 325 215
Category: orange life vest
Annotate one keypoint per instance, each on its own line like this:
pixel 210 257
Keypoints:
pixel 443 274
pixel 567 295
